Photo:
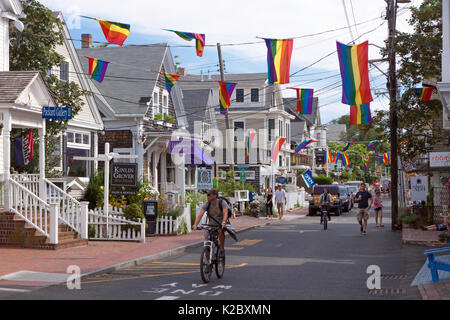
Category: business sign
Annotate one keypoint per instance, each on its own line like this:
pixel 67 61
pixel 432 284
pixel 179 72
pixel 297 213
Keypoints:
pixel 244 174
pixel 124 175
pixel 204 179
pixel 57 113
pixel 307 177
pixel 439 159
pixel 419 188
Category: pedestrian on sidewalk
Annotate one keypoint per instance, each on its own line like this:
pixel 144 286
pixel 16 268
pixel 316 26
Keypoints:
pixel 280 197
pixel 377 205
pixel 269 203
pixel 362 198
pixel 441 227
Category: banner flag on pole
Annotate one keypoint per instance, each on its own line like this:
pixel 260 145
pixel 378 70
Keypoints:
pixel 276 147
pixel 360 114
pixel 279 52
pixel 305 100
pixel 225 91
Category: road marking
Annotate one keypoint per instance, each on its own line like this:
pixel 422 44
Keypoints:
pixel 166 297
pixel 14 290
pixel 234 248
pixel 246 242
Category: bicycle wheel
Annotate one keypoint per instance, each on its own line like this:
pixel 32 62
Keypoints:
pixel 325 223
pixel 220 265
pixel 205 265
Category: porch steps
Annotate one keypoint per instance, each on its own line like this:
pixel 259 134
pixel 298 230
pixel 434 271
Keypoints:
pixel 16 233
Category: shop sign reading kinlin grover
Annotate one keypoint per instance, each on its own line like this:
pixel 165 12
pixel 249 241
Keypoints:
pixel 124 175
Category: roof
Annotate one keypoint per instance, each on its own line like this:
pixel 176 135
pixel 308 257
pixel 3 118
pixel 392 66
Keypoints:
pixel 290 105
pixel 129 78
pixel 13 83
pixel 195 103
pixel 297 129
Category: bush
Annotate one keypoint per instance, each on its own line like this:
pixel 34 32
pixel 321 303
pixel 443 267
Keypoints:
pixel 94 191
pixel 322 179
pixel 134 213
pixel 169 119
pixel 444 236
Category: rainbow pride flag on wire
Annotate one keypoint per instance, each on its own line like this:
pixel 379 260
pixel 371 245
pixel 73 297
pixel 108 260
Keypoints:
pixel 425 93
pixel 279 52
pixel 170 78
pixel 360 114
pixel 188 36
pixel 250 139
pixel 344 158
pixel 347 146
pixel 305 100
pixel 115 32
pixel 330 157
pixel 97 68
pixel 304 144
pixel 225 91
pixel 276 147
pixel 354 66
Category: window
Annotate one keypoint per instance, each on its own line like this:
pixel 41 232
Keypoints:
pixel 280 161
pixel 280 128
pixel 165 106
pixel 79 139
pixel 239 131
pixel 255 95
pixel 64 71
pixel 155 103
pixel 271 128
pixel 288 133
pixel 239 95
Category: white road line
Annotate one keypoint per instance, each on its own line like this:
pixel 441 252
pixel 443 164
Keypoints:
pixel 167 298
pixel 14 290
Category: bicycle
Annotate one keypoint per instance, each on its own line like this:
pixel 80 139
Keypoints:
pixel 324 217
pixel 210 256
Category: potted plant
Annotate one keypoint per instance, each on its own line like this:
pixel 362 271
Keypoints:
pixel 158 118
pixel 169 120
pixel 445 238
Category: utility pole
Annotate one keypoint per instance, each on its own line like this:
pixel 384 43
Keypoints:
pixel 227 120
pixel 391 15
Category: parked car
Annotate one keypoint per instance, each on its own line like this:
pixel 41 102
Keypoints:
pixel 353 190
pixel 346 199
pixel 314 204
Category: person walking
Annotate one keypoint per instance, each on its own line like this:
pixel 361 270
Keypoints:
pixel 269 203
pixel 325 201
pixel 362 198
pixel 280 197
pixel 378 207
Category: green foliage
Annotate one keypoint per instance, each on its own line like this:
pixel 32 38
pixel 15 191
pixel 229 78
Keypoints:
pixel 158 117
pixel 195 198
pixel 94 192
pixel 169 119
pixel 133 212
pixel 229 185
pixel 444 236
pixel 182 227
pixel 322 179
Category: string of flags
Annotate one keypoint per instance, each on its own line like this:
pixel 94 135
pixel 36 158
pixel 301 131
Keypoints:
pixel 171 79
pixel 188 36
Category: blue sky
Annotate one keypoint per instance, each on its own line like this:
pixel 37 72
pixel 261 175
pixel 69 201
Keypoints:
pixel 237 22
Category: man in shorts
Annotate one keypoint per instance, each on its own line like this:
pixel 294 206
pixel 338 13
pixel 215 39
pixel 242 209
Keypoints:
pixel 362 198
pixel 280 197
pixel 213 209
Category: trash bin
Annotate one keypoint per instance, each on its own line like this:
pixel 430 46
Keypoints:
pixel 251 196
pixel 151 214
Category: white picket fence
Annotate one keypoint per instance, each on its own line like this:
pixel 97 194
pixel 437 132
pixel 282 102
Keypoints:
pixel 169 225
pixel 114 227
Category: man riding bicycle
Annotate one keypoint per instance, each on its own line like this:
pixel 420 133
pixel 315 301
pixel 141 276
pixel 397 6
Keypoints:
pixel 218 210
pixel 325 201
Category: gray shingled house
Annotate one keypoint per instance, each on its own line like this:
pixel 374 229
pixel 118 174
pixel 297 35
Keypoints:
pixel 138 112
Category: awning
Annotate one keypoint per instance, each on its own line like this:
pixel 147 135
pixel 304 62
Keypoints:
pixel 267 171
pixel 193 154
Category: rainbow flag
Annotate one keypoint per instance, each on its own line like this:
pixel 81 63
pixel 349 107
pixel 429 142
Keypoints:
pixel 276 147
pixel 115 32
pixel 424 94
pixel 97 68
pixel 305 99
pixel 365 161
pixel 225 91
pixel 344 158
pixel 347 146
pixel 171 79
pixel 374 143
pixel 360 114
pixel 279 52
pixel 354 66
pixel 188 36
pixel 387 158
pixel 330 157
pixel 304 144
pixel 250 139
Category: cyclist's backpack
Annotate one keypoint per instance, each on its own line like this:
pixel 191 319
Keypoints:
pixel 221 207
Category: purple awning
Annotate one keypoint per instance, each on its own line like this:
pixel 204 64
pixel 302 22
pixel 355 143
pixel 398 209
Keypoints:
pixel 193 154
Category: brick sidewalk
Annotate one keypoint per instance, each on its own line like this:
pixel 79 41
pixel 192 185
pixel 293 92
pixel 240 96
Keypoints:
pixel 435 291
pixel 103 254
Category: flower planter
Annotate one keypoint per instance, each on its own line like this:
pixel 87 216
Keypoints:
pixel 160 123
pixel 169 125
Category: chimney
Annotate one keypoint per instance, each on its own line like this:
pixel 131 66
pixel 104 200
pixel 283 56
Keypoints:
pixel 182 71
pixel 86 40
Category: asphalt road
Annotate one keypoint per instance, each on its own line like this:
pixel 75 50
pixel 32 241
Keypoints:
pixel 290 260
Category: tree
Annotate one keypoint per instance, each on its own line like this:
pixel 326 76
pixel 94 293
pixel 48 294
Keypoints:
pixel 35 49
pixel 420 61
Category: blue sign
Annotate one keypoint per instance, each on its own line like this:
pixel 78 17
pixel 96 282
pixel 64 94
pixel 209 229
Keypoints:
pixel 281 180
pixel 57 113
pixel 307 177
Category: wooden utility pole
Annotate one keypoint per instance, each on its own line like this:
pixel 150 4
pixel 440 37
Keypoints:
pixel 391 13
pixel 227 120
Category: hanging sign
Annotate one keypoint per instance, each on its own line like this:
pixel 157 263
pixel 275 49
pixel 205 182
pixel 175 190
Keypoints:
pixel 307 177
pixel 124 174
pixel 64 113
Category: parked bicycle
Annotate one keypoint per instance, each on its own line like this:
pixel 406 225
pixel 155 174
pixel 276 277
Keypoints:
pixel 210 256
